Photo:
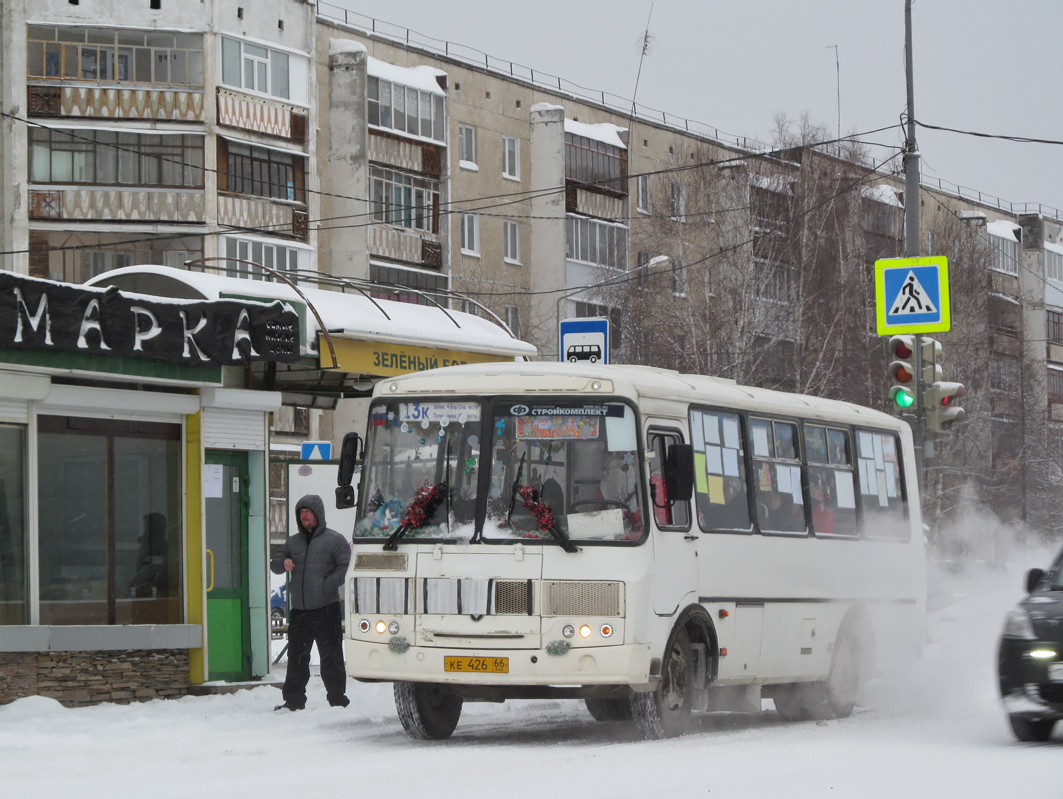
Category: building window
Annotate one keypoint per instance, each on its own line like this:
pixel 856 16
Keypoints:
pixel 76 257
pixel 420 285
pixel 678 202
pixel 1055 326
pixel 467 145
pixel 470 234
pixel 772 281
pixel 265 173
pixel 110 521
pixel 401 199
pixel 278 257
pixel 259 69
pixel 594 242
pixel 511 158
pixel 14 585
pixel 114 56
pixel 590 310
pixel 470 307
pixel 1055 385
pixel 1005 374
pixel 594 162
pixel 513 320
pixel 679 278
pixel 397 107
pixel 511 233
pixel 1054 265
pixel 772 208
pixel 642 193
pixel 1004 253
pixel 644 270
pixel 114 158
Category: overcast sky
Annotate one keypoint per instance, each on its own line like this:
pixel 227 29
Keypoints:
pixel 980 65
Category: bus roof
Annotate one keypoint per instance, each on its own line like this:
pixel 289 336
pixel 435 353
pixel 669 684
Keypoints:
pixel 644 383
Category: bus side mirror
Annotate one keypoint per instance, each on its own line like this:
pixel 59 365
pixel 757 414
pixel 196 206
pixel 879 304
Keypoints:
pixel 1033 579
pixel 679 472
pixel 350 454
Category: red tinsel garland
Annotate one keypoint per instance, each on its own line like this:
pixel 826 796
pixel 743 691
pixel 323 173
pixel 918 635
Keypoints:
pixel 543 513
pixel 423 505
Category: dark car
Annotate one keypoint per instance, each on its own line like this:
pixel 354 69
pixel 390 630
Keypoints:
pixel 1030 662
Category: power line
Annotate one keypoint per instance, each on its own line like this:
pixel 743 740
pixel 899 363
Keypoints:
pixel 1019 139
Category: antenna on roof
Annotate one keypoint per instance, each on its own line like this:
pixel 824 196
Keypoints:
pixel 642 57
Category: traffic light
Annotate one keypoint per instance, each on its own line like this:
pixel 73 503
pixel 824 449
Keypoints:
pixel 902 370
pixel 930 350
pixel 942 409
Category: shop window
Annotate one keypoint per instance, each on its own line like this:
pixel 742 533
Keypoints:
pixel 14 601
pixel 114 56
pixel 110 521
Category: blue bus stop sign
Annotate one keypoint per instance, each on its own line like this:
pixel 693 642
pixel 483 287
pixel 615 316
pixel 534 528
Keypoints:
pixel 584 340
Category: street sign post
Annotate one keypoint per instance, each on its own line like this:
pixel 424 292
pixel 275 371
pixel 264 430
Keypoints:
pixel 585 339
pixel 912 295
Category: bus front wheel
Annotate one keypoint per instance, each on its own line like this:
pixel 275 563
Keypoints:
pixel 665 713
pixel 428 712
pixel 609 709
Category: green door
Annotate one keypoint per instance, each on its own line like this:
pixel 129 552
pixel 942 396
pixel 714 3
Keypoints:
pixel 225 491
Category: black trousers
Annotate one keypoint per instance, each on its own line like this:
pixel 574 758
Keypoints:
pixel 322 626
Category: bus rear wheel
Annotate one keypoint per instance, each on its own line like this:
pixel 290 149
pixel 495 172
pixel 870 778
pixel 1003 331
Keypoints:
pixel 665 713
pixel 428 712
pixel 834 698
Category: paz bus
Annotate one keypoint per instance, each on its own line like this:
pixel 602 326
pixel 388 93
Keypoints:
pixel 651 543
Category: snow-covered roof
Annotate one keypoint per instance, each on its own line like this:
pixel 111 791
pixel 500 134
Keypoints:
pixel 780 184
pixel 602 131
pixel 1003 229
pixel 345 46
pixel 882 193
pixel 351 315
pixel 1056 248
pixel 420 77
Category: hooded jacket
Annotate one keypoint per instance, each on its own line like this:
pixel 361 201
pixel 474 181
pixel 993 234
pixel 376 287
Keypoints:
pixel 321 556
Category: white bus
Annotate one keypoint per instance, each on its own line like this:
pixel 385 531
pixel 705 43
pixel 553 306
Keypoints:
pixel 650 542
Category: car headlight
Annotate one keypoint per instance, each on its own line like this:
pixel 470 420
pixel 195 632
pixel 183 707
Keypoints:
pixel 1018 625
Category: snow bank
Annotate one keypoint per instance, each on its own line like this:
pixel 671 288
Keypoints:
pixel 604 132
pixel 882 193
pixel 1004 229
pixel 420 77
pixel 336 46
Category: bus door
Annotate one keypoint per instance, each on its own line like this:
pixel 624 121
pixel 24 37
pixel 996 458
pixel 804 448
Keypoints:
pixel 674 542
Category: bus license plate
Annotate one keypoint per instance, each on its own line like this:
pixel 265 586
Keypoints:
pixel 480 665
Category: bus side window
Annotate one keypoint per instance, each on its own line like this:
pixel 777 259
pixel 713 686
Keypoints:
pixel 882 500
pixel 666 512
pixel 777 476
pixel 720 490
pixel 830 480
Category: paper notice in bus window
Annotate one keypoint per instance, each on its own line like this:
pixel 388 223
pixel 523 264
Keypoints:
pixel 699 473
pixel 889 448
pixel 883 499
pixel 782 478
pixel 764 483
pixel 697 436
pixel 795 484
pixel 712 428
pixel 843 489
pixel 865 483
pixel 867 449
pixel 891 480
pixel 716 489
pixel 540 427
pixel 713 460
pixel 879 460
pixel 730 433
pixel 730 462
pixel 760 442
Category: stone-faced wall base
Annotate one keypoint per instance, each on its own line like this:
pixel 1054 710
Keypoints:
pixel 88 678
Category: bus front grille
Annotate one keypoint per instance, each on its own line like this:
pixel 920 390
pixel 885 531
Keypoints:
pixel 582 598
pixel 513 597
pixel 380 561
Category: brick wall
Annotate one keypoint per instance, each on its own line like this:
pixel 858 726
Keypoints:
pixel 87 678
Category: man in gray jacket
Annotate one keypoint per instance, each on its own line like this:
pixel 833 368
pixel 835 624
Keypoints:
pixel 317 559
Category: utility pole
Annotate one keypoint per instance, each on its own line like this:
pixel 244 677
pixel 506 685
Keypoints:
pixel 838 83
pixel 911 232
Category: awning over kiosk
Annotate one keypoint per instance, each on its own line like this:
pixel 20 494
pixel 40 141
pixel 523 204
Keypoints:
pixel 369 337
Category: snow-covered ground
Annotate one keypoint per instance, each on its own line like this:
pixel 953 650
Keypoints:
pixel 938 731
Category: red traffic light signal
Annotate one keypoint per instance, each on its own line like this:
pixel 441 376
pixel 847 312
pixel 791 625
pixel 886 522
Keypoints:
pixel 942 409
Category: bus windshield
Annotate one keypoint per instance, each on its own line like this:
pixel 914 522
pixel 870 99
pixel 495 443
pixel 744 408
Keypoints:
pixel 573 467
pixel 421 463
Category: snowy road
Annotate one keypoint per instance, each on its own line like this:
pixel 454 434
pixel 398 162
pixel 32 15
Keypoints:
pixel 938 731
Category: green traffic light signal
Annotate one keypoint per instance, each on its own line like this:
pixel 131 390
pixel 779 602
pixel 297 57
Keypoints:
pixel 902 397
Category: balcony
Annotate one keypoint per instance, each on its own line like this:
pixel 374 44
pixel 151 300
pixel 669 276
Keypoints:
pixel 117 205
pixel 260 115
pixel 91 102
pixel 259 213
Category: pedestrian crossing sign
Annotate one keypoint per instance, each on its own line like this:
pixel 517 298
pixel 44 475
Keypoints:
pixel 912 295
